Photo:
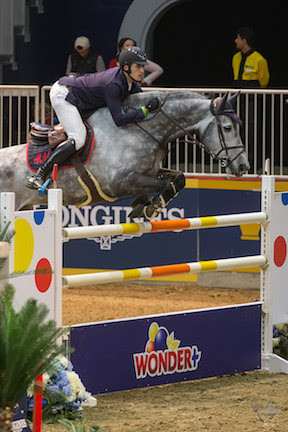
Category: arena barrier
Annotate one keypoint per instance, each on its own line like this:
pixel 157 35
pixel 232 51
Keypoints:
pixel 150 350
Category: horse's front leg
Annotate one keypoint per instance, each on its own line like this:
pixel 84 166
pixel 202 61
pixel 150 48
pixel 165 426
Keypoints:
pixel 175 181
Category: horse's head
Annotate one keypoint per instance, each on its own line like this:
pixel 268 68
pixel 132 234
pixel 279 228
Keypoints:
pixel 221 136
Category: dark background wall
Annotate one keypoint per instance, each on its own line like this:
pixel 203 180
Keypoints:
pixel 44 59
pixel 193 41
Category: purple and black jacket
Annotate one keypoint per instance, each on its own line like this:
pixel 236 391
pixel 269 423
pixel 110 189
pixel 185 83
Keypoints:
pixel 96 90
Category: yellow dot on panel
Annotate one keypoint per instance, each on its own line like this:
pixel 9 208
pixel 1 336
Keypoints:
pixel 24 245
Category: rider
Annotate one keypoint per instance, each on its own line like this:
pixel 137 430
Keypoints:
pixel 75 98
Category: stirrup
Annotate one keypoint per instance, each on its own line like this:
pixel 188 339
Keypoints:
pixel 34 182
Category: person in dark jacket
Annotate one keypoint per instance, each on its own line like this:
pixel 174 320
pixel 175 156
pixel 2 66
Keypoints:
pixel 75 98
pixel 84 59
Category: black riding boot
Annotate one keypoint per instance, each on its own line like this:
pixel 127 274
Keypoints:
pixel 62 152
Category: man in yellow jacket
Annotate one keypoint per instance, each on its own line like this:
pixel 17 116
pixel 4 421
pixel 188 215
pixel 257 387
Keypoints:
pixel 249 67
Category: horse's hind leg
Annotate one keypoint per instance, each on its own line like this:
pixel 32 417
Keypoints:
pixel 176 183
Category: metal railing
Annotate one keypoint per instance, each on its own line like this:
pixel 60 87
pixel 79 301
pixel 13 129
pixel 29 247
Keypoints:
pixel 19 105
pixel 264 132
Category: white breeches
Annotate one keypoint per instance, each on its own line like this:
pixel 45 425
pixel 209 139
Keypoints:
pixel 68 115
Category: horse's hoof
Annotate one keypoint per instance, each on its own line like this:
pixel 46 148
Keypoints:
pixel 137 211
pixel 142 199
pixel 152 210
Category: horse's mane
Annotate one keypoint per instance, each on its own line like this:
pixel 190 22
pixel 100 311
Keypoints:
pixel 141 98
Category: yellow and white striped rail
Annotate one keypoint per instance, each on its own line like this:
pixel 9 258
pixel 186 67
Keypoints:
pixel 166 270
pixel 166 225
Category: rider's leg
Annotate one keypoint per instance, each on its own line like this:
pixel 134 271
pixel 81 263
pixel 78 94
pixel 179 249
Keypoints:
pixel 69 117
pixel 59 155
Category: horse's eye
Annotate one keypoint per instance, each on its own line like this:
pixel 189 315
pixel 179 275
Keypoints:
pixel 227 128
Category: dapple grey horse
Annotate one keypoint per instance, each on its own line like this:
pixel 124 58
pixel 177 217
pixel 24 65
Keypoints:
pixel 126 161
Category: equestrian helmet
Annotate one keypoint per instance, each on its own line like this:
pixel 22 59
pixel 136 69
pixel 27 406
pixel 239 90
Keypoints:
pixel 131 55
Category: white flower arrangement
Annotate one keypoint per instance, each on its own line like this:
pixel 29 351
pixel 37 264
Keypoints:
pixel 63 392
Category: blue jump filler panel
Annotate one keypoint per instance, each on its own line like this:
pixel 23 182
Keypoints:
pixel 138 352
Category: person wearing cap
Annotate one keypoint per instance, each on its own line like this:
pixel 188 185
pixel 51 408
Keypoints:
pixel 83 59
pixel 151 70
pixel 76 98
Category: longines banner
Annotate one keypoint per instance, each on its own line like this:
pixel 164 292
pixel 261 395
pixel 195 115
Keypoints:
pixel 138 250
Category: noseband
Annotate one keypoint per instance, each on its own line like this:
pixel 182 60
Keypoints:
pixel 224 160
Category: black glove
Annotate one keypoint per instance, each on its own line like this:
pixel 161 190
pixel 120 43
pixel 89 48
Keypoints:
pixel 153 104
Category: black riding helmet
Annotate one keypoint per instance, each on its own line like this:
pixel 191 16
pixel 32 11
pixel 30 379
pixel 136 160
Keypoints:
pixel 132 55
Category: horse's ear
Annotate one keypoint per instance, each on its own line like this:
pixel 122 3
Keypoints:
pixel 222 103
pixel 232 99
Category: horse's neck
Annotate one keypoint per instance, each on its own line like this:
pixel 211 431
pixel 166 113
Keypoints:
pixel 191 114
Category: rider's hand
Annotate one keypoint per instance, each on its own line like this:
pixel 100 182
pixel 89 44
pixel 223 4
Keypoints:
pixel 153 104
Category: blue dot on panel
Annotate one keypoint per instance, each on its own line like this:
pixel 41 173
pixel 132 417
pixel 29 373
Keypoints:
pixel 39 216
pixel 284 198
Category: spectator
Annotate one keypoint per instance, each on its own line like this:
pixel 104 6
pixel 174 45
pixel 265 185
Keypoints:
pixel 84 59
pixel 250 71
pixel 153 69
pixel 249 67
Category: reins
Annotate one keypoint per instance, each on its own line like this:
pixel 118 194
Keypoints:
pixel 224 161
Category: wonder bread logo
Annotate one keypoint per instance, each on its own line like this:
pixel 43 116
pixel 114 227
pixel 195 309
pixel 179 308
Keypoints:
pixel 163 355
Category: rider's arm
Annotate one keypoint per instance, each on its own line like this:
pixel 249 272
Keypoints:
pixel 112 96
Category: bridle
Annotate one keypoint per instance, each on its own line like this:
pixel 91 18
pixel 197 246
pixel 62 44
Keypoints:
pixel 224 160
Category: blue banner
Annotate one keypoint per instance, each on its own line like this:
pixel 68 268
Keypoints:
pixel 160 349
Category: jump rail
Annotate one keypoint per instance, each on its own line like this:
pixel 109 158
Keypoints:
pixel 166 270
pixel 162 226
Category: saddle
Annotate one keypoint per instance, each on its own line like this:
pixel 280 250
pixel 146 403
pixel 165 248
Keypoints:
pixel 43 139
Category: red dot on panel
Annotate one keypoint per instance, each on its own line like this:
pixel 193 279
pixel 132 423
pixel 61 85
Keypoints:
pixel 280 251
pixel 43 275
